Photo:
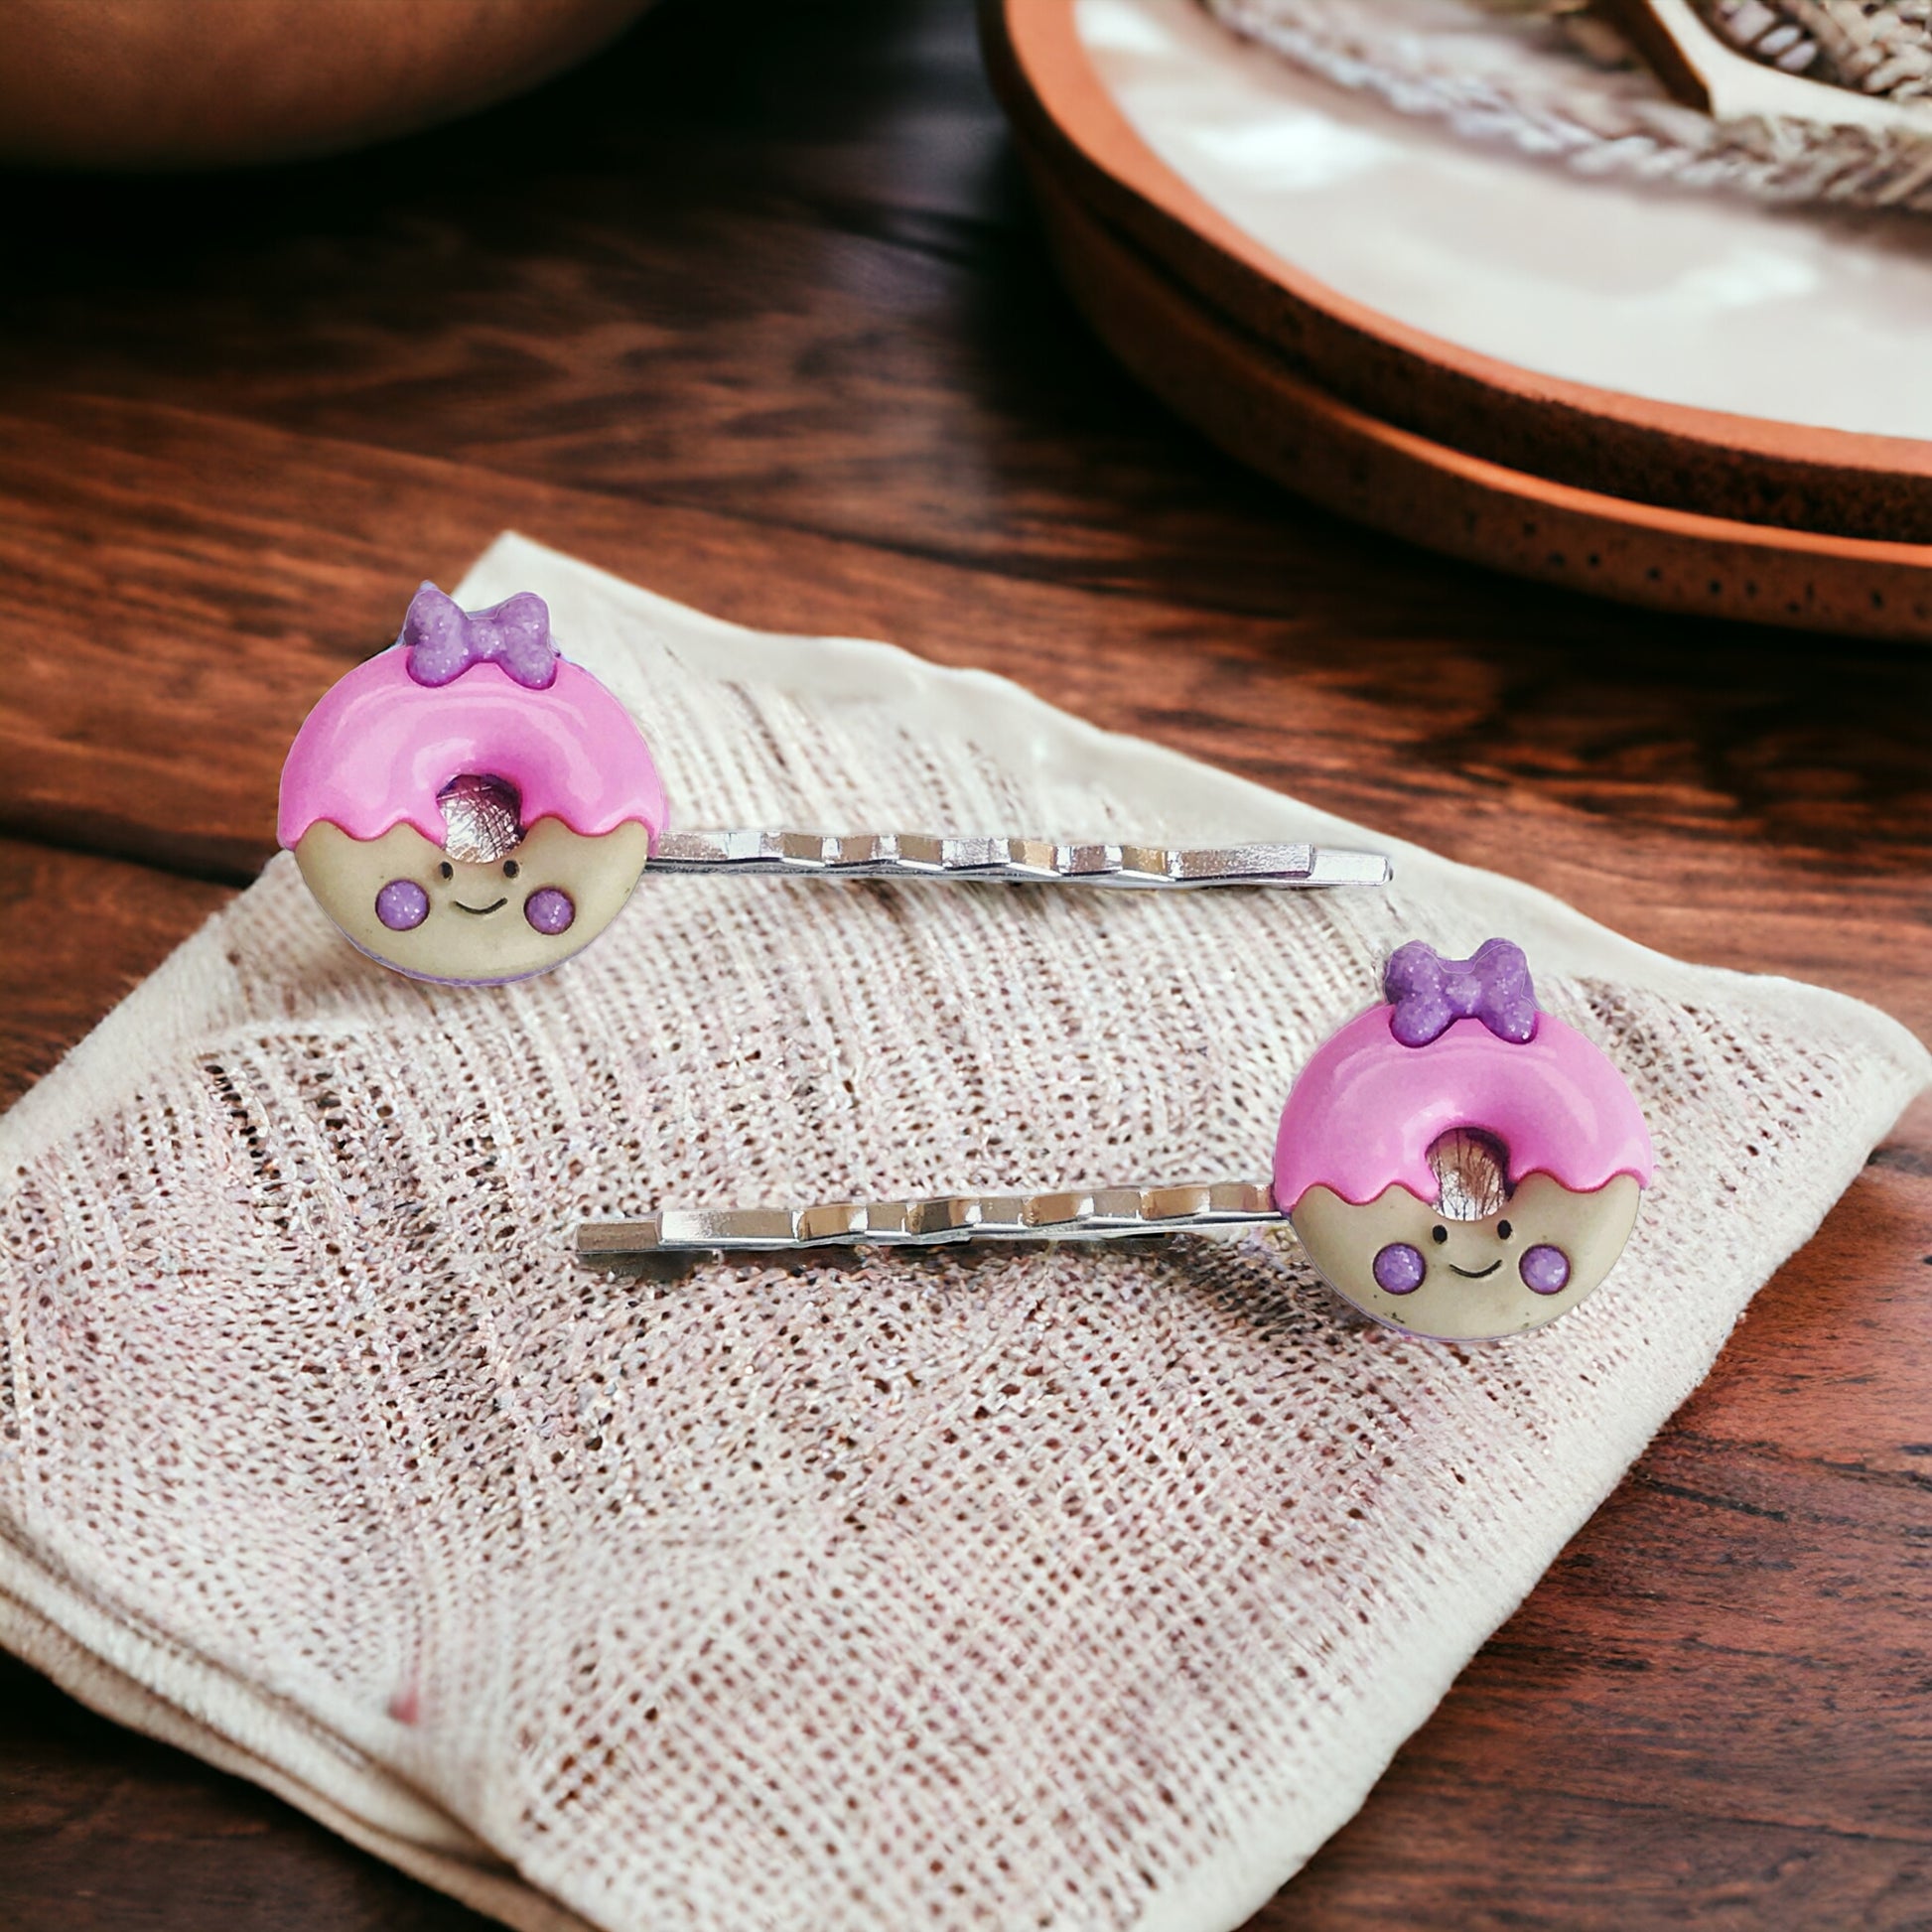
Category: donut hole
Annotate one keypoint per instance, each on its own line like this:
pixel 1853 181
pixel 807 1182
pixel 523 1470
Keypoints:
pixel 483 818
pixel 1471 1171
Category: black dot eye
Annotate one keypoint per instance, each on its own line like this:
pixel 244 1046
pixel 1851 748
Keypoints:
pixel 446 869
pixel 1438 1235
pixel 1504 1230
pixel 510 868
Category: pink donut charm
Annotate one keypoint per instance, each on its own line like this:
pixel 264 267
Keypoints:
pixel 469 806
pixel 1456 1163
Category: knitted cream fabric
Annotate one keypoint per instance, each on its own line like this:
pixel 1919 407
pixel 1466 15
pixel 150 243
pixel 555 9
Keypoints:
pixel 1523 73
pixel 1053 1587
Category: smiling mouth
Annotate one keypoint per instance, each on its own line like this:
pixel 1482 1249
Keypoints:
pixel 479 911
pixel 1474 1274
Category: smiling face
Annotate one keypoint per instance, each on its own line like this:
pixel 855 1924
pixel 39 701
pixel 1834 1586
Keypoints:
pixel 428 912
pixel 1525 1261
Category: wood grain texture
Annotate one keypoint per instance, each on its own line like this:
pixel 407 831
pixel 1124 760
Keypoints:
pixel 754 310
pixel 80 928
pixel 99 1829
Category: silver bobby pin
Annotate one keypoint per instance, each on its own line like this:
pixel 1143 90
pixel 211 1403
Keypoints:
pixel 558 809
pixel 909 855
pixel 1455 1163
pixel 1096 1214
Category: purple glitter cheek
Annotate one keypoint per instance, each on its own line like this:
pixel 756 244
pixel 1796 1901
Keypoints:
pixel 1545 1270
pixel 550 910
pixel 402 904
pixel 1399 1269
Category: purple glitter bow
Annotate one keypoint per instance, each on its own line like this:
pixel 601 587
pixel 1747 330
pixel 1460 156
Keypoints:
pixel 444 642
pixel 1429 992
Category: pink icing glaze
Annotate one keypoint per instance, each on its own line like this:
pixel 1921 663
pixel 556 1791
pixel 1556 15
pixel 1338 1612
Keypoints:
pixel 378 749
pixel 1366 1110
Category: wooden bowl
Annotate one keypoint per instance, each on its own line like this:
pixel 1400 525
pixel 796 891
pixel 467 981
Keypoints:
pixel 197 83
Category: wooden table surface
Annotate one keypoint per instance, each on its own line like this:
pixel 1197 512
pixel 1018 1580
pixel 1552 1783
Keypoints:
pixel 752 310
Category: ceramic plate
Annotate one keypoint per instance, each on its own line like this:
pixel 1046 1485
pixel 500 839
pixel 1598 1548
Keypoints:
pixel 1252 403
pixel 1680 351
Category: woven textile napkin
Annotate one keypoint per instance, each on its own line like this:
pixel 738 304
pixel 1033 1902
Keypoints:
pixel 1047 1587
pixel 1560 85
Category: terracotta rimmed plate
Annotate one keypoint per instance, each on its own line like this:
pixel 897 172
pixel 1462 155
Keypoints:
pixel 1247 398
pixel 1070 71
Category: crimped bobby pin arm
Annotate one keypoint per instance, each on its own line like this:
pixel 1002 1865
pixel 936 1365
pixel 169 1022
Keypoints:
pixel 910 855
pixel 1096 1214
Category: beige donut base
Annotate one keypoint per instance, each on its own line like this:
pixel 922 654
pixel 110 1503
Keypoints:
pixel 1343 1239
pixel 452 944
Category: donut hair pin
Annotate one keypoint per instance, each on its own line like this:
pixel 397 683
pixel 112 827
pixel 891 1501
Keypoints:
pixel 471 808
pixel 1457 1163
